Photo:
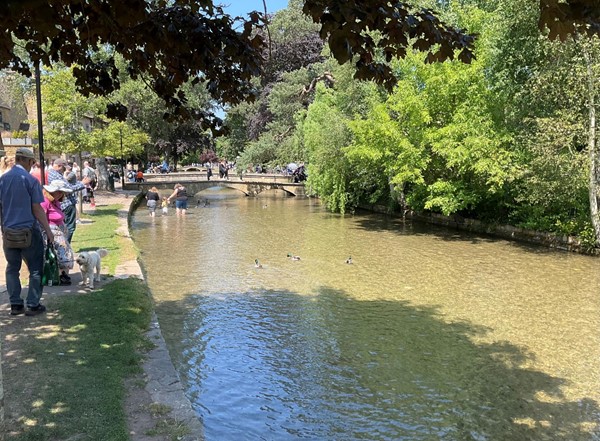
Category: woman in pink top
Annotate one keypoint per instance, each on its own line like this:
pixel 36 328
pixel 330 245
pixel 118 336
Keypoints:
pixel 53 195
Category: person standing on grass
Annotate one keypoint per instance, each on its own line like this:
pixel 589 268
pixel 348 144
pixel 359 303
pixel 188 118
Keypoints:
pixel 90 173
pixel 70 200
pixel 53 195
pixel 71 178
pixel 20 203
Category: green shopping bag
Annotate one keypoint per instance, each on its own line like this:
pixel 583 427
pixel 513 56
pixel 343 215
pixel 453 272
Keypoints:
pixel 50 276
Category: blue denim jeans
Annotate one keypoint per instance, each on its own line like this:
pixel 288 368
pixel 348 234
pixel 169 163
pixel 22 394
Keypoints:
pixel 70 221
pixel 34 258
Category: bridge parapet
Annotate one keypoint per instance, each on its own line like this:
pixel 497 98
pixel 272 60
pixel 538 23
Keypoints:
pixel 195 185
pixel 201 175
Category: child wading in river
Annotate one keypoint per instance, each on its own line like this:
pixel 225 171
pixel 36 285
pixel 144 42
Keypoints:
pixel 165 205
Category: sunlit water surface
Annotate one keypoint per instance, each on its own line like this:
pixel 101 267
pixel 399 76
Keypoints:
pixel 430 334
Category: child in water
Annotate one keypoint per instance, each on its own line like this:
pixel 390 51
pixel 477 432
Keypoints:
pixel 165 205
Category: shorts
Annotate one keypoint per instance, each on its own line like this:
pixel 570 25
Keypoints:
pixel 181 205
pixel 151 206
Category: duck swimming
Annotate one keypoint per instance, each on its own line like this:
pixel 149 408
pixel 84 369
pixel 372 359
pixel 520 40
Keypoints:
pixel 257 264
pixel 291 256
pixel 349 260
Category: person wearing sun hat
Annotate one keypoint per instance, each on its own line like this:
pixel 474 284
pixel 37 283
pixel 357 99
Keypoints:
pixel 54 193
pixel 20 203
pixel 56 173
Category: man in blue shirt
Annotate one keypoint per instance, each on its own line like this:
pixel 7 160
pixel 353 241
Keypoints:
pixel 69 202
pixel 20 199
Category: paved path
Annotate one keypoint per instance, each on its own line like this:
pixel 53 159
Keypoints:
pixel 162 382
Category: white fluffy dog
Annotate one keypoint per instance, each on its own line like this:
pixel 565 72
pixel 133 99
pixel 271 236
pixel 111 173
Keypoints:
pixel 88 262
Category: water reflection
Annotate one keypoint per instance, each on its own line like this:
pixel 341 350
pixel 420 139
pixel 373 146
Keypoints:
pixel 428 335
pixel 276 365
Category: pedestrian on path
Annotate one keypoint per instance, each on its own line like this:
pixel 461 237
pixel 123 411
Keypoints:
pixel 90 173
pixel 20 204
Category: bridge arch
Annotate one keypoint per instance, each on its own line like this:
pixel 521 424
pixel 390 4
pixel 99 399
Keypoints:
pixel 214 184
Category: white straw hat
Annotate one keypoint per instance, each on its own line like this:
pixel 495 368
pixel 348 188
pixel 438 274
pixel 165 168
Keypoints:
pixel 57 185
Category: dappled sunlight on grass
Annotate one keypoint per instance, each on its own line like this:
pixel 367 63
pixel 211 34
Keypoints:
pixel 65 369
pixel 109 346
pixel 43 332
pixel 59 408
pixel 76 328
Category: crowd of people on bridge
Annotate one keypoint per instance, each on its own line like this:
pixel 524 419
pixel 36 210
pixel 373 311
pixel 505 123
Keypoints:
pixel 296 171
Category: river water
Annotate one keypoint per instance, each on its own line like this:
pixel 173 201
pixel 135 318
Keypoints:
pixel 430 334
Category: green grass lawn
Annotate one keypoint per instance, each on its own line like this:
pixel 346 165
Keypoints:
pixel 71 364
pixel 101 233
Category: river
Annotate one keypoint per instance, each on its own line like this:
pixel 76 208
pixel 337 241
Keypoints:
pixel 430 333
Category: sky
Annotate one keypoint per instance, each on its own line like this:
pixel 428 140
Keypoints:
pixel 242 7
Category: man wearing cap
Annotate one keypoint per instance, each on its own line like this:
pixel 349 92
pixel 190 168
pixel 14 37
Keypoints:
pixel 68 205
pixel 20 199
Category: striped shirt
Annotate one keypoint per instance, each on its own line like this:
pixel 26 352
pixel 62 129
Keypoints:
pixel 70 199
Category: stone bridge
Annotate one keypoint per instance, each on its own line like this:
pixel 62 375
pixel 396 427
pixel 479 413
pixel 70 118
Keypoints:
pixel 250 185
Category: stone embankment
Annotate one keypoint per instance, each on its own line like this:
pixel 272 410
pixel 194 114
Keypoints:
pixel 566 243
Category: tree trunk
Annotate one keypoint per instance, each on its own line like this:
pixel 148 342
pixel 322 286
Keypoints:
pixel 594 182
pixel 102 173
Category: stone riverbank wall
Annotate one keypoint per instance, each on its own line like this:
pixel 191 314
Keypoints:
pixel 567 243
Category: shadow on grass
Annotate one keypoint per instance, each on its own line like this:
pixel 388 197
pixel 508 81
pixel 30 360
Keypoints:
pixel 279 365
pixel 64 371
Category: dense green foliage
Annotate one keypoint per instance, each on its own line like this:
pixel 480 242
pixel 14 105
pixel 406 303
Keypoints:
pixel 504 139
pixel 67 113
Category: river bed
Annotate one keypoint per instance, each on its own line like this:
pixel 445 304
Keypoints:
pixel 429 334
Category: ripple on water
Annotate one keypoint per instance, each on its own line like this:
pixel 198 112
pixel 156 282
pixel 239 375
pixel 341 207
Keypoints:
pixel 428 335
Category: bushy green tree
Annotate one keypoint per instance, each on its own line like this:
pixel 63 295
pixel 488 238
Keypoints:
pixel 326 134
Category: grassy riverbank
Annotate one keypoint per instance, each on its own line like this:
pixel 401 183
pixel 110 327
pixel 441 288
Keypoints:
pixel 64 371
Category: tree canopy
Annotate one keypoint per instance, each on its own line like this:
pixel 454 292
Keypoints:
pixel 171 42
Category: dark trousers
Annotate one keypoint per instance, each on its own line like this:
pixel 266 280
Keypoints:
pixel 34 258
pixel 70 220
